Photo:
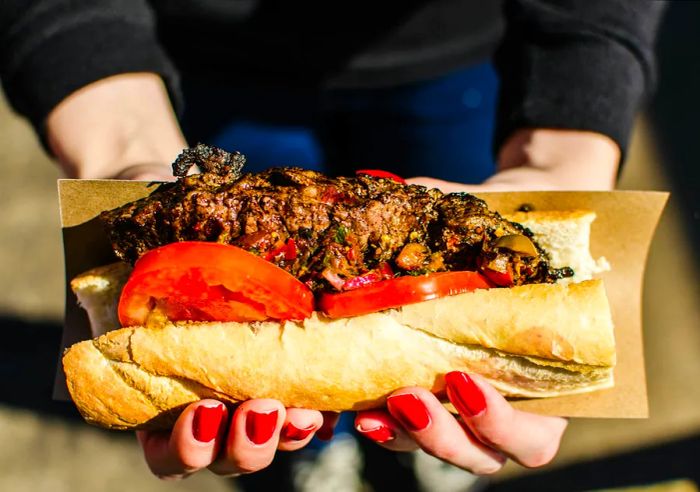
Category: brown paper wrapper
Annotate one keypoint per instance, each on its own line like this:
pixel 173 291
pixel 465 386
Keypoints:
pixel 622 232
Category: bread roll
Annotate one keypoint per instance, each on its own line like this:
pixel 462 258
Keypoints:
pixel 529 341
pixel 566 236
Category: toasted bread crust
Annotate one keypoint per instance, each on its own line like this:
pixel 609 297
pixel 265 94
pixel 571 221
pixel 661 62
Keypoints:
pixel 128 377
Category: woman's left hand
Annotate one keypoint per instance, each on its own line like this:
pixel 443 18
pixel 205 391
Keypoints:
pixel 539 159
pixel 206 436
pixel 487 431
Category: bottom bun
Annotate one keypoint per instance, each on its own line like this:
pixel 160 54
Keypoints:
pixel 142 377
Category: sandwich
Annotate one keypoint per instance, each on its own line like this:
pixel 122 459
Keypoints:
pixel 330 293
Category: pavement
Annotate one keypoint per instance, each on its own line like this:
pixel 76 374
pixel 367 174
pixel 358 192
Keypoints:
pixel 46 447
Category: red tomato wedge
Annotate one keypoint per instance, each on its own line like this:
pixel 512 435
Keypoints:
pixel 200 281
pixel 398 292
pixel 378 173
pixel 502 279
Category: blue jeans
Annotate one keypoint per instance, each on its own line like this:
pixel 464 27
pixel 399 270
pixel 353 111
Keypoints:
pixel 440 128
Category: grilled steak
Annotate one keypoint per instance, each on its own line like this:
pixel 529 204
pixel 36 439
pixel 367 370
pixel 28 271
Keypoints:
pixel 329 232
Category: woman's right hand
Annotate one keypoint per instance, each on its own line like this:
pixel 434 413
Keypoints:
pixel 146 172
pixel 229 442
pixel 109 128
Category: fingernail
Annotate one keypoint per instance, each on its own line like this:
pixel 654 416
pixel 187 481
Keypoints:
pixel 206 422
pixel 410 411
pixel 464 394
pixel 294 433
pixel 259 426
pixel 379 434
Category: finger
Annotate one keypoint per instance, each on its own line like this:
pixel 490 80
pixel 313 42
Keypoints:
pixel 530 439
pixel 379 426
pixel 191 445
pixel 299 428
pixel 147 172
pixel 444 186
pixel 438 433
pixel 253 437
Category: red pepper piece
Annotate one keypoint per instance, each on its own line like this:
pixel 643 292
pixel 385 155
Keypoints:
pixel 291 252
pixel 378 173
pixel 382 272
pixel 502 279
pixel 288 249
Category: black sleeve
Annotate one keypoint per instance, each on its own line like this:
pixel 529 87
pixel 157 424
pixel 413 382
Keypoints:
pixel 51 48
pixel 576 64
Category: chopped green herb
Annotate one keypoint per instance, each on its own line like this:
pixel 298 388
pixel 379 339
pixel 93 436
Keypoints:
pixel 341 234
pixel 326 260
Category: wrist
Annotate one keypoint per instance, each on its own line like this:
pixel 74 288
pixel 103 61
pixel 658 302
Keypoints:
pixel 110 126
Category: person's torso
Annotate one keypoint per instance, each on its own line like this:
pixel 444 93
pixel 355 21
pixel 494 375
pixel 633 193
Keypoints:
pixel 341 44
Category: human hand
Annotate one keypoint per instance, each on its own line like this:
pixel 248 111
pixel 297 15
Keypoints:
pixel 146 172
pixel 110 128
pixel 487 432
pixel 205 437
pixel 546 159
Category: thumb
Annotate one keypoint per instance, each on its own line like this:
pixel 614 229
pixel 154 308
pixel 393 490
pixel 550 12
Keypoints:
pixel 146 172
pixel 530 439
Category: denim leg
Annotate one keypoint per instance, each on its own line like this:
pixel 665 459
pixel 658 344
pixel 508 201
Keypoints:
pixel 441 128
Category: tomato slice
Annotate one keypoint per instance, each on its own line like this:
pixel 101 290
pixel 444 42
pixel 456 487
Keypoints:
pixel 201 281
pixel 378 173
pixel 399 291
pixel 502 279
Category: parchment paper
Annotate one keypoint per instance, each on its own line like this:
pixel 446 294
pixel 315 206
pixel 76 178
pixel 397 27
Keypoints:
pixel 622 233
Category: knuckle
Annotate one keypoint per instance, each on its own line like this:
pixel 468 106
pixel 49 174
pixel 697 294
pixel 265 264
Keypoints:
pixel 246 466
pixel 228 474
pixel 540 457
pixel 187 463
pixel 458 456
pixel 172 478
pixel 483 469
pixel 444 450
pixel 495 438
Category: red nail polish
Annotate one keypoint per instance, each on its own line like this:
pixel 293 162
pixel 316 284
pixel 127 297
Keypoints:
pixel 464 394
pixel 410 411
pixel 294 433
pixel 206 422
pixel 259 427
pixel 378 434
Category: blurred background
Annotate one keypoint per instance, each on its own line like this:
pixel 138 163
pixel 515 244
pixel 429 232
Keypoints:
pixel 46 447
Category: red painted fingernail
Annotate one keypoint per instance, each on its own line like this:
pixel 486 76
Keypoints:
pixel 294 433
pixel 206 422
pixel 378 434
pixel 259 427
pixel 410 411
pixel 464 394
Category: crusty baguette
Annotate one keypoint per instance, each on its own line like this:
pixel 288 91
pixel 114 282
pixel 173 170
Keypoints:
pixel 529 341
pixel 132 376
pixel 566 236
pixel 98 293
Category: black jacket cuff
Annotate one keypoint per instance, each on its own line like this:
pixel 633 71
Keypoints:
pixel 75 57
pixel 576 65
